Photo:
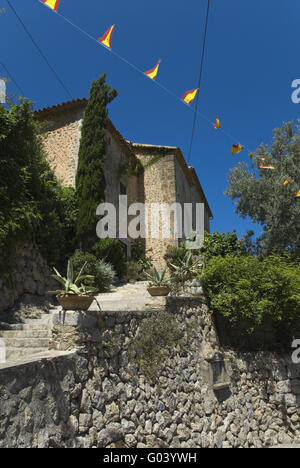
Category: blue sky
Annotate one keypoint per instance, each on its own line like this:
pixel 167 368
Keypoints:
pixel 251 61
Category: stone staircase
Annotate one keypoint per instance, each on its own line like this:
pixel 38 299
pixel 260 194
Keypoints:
pixel 26 339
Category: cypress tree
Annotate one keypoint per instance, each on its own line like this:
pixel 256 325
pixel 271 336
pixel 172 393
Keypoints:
pixel 90 178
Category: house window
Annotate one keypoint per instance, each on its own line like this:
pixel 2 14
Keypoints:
pixel 123 189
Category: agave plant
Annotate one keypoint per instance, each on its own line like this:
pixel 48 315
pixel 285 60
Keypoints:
pixel 188 267
pixel 157 278
pixel 71 286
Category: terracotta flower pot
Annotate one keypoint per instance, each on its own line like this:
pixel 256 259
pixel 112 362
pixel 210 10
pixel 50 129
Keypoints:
pixel 75 302
pixel 159 290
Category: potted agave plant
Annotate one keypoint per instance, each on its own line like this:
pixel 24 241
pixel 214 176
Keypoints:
pixel 75 295
pixel 187 268
pixel 158 285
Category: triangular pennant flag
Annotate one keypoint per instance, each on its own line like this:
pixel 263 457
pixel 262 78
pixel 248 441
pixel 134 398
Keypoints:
pixel 236 149
pixel 217 125
pixel 189 96
pixel 106 38
pixel 286 182
pixel 298 194
pixel 153 72
pixel 53 4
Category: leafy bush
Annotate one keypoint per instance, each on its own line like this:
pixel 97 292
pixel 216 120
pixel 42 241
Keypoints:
pixel 111 251
pixel 175 255
pixel 249 292
pixel 103 273
pixel 222 244
pixel 133 271
pixel 137 250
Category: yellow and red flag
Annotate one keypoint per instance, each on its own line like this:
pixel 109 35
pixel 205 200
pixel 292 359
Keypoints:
pixel 287 181
pixel 53 4
pixel 106 38
pixel 153 72
pixel 236 149
pixel 189 96
pixel 267 167
pixel 217 125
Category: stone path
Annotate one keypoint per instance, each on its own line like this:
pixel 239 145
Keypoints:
pixel 126 297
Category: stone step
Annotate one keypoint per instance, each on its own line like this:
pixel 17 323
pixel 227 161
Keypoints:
pixel 40 322
pixel 15 354
pixel 16 326
pixel 35 333
pixel 26 342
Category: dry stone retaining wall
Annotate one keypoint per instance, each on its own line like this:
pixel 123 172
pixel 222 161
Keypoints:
pixel 95 398
pixel 30 275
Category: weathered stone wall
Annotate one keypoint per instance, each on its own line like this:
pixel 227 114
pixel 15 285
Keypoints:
pixel 30 275
pixel 159 187
pixel 61 142
pixel 97 398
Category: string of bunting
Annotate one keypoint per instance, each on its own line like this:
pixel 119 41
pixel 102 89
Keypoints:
pixel 187 98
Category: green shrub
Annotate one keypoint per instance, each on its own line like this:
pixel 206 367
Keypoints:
pixel 175 255
pixel 111 251
pixel 249 292
pixel 137 250
pixel 33 203
pixel 222 244
pixel 105 275
pixel 133 271
pixel 102 272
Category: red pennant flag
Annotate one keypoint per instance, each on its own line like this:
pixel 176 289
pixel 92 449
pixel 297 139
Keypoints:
pixel 153 72
pixel 106 38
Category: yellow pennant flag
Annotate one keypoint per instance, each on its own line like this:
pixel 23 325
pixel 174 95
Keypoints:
pixel 217 125
pixel 267 167
pixel 286 182
pixel 189 96
pixel 106 38
pixel 53 4
pixel 236 149
pixel 153 72
pixel 298 194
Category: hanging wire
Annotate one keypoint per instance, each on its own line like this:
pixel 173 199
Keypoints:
pixel 39 50
pixel 11 77
pixel 199 82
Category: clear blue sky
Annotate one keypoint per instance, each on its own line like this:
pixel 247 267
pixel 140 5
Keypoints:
pixel 251 61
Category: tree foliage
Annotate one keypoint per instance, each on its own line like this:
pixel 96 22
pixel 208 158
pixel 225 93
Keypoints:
pixel 245 289
pixel 90 178
pixel 32 202
pixel 264 198
pixel 222 244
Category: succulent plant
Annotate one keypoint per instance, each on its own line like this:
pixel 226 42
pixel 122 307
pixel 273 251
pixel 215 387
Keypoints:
pixel 157 278
pixel 70 285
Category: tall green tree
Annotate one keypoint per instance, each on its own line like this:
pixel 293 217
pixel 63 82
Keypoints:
pixel 260 194
pixel 90 178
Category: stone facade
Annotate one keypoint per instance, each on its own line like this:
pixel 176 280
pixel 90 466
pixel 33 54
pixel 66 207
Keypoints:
pixel 96 397
pixel 169 180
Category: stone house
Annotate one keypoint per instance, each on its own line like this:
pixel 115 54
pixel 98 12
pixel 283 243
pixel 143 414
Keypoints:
pixel 166 179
